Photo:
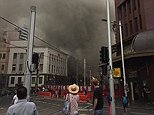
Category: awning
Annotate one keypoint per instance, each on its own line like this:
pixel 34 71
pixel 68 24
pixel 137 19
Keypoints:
pixel 144 41
pixel 142 45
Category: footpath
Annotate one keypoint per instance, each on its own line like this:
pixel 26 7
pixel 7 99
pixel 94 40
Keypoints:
pixel 118 103
pixel 136 105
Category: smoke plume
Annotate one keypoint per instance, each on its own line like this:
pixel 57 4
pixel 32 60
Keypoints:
pixel 74 26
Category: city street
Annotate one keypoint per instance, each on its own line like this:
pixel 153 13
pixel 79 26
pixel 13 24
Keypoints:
pixel 48 106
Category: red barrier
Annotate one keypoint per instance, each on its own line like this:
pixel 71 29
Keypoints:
pixel 46 94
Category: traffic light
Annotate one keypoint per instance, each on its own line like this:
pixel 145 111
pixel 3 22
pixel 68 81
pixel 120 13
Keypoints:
pixel 104 55
pixel 23 33
pixel 35 59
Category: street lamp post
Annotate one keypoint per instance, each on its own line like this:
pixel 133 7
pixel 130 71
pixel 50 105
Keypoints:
pixel 122 53
pixel 28 73
pixel 122 58
pixel 111 83
pixel 84 72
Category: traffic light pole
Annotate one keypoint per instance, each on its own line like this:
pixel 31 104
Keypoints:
pixel 111 83
pixel 28 74
pixel 84 72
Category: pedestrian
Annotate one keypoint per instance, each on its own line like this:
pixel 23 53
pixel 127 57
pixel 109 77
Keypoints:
pixel 74 99
pixel 145 94
pixel 15 98
pixel 125 102
pixel 22 107
pixel 56 93
pixel 98 102
pixel 85 91
pixel 59 92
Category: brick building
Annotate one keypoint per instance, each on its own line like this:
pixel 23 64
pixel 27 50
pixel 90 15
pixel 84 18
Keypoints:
pixel 137 19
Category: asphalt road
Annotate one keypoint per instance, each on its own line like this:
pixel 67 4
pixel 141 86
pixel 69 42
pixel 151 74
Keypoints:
pixel 48 106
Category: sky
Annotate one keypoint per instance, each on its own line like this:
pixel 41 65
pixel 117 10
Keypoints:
pixel 73 26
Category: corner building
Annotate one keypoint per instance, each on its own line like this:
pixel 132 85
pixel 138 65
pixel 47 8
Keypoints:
pixel 137 18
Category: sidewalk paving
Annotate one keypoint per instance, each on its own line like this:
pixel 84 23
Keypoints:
pixel 136 104
pixel 118 103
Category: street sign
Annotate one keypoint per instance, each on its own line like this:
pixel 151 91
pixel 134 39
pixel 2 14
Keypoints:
pixel 126 88
pixel 116 72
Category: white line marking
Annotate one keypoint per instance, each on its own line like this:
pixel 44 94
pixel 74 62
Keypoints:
pixel 141 113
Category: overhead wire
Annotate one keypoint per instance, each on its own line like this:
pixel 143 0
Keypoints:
pixel 18 27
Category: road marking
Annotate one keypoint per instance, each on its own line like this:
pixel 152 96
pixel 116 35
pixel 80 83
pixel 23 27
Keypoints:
pixel 43 109
pixel 141 113
pixel 55 113
pixel 1 108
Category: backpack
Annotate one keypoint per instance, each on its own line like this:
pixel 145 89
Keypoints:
pixel 66 108
pixel 124 100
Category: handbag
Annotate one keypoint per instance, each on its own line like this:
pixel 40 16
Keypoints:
pixel 67 104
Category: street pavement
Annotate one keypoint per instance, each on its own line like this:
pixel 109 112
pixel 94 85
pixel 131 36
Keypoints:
pixel 47 106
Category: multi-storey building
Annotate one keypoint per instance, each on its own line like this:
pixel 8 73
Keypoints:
pixel 5 36
pixel 138 37
pixel 52 65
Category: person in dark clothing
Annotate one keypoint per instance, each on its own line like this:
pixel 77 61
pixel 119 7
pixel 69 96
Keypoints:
pixel 85 92
pixel 59 92
pixel 125 102
pixel 98 102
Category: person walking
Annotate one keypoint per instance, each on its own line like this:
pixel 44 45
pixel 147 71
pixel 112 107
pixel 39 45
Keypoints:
pixel 22 107
pixel 98 102
pixel 125 103
pixel 15 98
pixel 74 99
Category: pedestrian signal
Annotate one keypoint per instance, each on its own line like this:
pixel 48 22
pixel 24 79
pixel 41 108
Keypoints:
pixel 116 72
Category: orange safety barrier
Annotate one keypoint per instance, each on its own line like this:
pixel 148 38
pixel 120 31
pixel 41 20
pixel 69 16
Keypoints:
pixel 83 98
pixel 42 93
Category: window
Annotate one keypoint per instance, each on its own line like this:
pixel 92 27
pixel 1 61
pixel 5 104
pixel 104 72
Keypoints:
pixel 129 6
pixel 124 9
pixel 12 80
pixel 134 4
pixel 41 68
pixel 15 56
pixel 0 55
pixel 20 67
pixel 13 67
pixel 126 30
pixel 19 80
pixel 136 24
pixel 4 55
pixel 21 56
pixel 130 27
pixel 138 2
pixel 49 68
pixel 140 19
pixel 40 80
pixel 42 56
pixel 52 69
pixel 2 68
pixel 33 80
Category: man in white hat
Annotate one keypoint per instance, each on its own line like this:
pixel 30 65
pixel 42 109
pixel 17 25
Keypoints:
pixel 74 99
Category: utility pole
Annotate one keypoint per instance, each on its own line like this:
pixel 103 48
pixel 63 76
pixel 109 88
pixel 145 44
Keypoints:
pixel 84 72
pixel 77 72
pixel 90 77
pixel 28 74
pixel 122 58
pixel 111 83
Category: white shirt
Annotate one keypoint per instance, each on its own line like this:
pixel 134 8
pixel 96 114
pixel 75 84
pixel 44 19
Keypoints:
pixel 22 107
pixel 15 98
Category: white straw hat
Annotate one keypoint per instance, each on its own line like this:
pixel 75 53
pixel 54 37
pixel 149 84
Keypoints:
pixel 73 89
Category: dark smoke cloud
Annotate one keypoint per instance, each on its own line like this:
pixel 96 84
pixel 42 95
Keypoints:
pixel 71 25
